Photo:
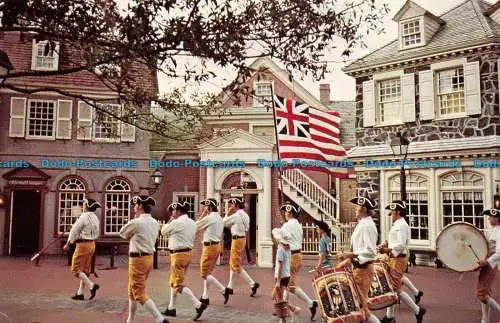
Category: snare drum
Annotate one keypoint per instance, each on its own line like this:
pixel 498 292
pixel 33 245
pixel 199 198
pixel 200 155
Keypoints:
pixel 381 294
pixel 338 300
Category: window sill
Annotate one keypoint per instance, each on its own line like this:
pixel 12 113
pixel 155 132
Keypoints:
pixel 389 124
pixel 451 116
pixel 42 69
pixel 403 47
pixel 39 138
pixel 108 141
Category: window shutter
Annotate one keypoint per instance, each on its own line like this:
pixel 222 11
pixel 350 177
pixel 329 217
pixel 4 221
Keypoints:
pixel 127 131
pixel 368 104
pixel 472 88
pixel 56 56
pixel 84 131
pixel 34 51
pixel 17 117
pixel 64 117
pixel 408 97
pixel 426 82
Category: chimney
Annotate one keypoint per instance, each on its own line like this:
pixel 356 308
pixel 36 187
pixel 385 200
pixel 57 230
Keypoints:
pixel 324 93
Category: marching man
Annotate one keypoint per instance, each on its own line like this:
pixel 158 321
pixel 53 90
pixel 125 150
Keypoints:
pixel 489 267
pixel 212 225
pixel 293 227
pixel 84 232
pixel 239 222
pixel 364 243
pixel 395 248
pixel 180 231
pixel 142 231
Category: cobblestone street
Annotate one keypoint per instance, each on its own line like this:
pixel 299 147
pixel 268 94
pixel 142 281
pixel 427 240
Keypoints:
pixel 41 294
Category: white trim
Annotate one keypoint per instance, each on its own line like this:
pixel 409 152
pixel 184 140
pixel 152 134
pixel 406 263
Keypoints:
pixel 422 32
pixel 70 119
pixel 450 115
pixel 388 75
pixel 34 55
pixel 11 220
pixel 448 64
pixel 255 97
pixel 28 109
pixel 23 118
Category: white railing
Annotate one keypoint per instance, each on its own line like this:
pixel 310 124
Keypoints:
pixel 162 241
pixel 310 238
pixel 313 192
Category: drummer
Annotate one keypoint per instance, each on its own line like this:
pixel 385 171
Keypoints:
pixel 395 249
pixel 489 267
pixel 364 242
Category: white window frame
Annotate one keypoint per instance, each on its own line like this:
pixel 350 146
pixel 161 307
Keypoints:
pixel 439 67
pixel 76 203
pixel 28 118
pixel 395 190
pixel 35 56
pixel 402 35
pixel 463 189
pixel 256 101
pixel 438 94
pixel 96 123
pixel 379 103
pixel 125 207
pixel 175 198
pixel 384 77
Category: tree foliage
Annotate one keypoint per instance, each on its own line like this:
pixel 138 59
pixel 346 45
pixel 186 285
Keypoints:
pixel 112 37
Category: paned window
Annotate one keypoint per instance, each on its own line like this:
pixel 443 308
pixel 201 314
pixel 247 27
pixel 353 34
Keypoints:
pixel 117 206
pixel 41 119
pixel 411 33
pixel 389 100
pixel 71 195
pixel 451 96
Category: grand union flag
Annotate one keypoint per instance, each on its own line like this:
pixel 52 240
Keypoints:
pixel 309 137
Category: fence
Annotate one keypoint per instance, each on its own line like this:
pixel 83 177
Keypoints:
pixel 310 238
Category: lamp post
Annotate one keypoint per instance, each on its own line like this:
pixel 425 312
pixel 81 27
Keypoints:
pixel 399 146
pixel 156 178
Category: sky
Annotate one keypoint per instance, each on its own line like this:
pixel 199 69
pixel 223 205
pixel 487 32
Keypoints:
pixel 341 85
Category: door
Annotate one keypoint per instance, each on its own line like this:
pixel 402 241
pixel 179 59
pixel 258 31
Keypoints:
pixel 347 192
pixel 25 219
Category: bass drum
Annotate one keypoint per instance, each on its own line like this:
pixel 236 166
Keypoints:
pixel 460 246
pixel 381 294
pixel 338 301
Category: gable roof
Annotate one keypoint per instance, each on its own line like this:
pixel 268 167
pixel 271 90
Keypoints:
pixel 283 76
pixel 466 26
pixel 410 4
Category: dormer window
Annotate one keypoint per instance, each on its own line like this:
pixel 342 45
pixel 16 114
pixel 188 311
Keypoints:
pixel 263 94
pixel 45 56
pixel 411 33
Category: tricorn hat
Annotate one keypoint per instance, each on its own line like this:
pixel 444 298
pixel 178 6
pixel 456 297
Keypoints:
pixel 288 207
pixel 364 201
pixel 235 200
pixel 492 212
pixel 396 206
pixel 91 203
pixel 183 206
pixel 143 200
pixel 208 202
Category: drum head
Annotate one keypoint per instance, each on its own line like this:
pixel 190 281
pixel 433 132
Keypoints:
pixel 460 245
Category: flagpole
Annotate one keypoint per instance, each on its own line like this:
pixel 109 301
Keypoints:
pixel 281 196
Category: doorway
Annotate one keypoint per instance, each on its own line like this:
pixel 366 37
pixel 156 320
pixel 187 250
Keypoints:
pixel 25 222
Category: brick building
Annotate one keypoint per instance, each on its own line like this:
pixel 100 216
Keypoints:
pixel 247 133
pixel 41 199
pixel 438 82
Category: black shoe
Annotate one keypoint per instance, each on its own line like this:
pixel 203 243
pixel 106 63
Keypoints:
pixel 165 321
pixel 419 296
pixel 420 315
pixel 199 311
pixel 172 313
pixel 205 300
pixel 77 297
pixel 227 292
pixel 388 320
pixel 93 291
pixel 313 309
pixel 254 289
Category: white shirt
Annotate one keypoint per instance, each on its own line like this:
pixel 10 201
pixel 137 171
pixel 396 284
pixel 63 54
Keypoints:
pixel 180 233
pixel 86 227
pixel 294 227
pixel 239 222
pixel 398 237
pixel 494 241
pixel 213 225
pixel 364 240
pixel 142 232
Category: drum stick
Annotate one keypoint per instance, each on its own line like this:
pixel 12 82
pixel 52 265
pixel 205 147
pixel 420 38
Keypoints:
pixel 38 254
pixel 474 253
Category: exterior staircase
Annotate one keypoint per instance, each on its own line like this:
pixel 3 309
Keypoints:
pixel 312 198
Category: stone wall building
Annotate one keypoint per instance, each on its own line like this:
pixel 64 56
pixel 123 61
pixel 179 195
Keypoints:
pixel 438 83
pixel 42 200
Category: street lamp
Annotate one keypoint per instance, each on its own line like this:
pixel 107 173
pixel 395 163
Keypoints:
pixel 399 146
pixel 156 178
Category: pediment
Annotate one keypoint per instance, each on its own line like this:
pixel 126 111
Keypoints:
pixel 412 10
pixel 237 139
pixel 26 173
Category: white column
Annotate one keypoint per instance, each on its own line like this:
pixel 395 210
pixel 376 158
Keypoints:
pixel 265 257
pixel 434 201
pixel 210 182
pixel 384 224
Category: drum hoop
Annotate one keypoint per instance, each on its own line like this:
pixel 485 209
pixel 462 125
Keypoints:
pixel 440 234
